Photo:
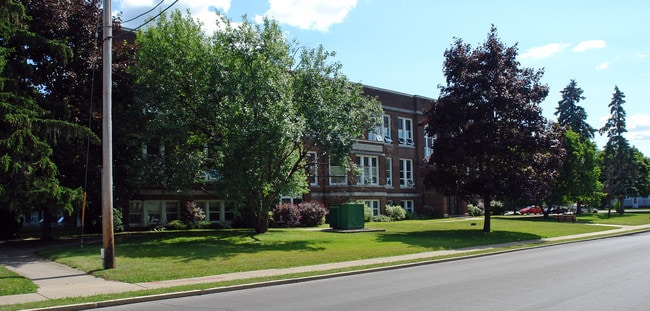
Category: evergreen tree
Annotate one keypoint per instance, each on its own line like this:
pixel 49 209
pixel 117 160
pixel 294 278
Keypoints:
pixel 29 178
pixel 619 169
pixel 572 116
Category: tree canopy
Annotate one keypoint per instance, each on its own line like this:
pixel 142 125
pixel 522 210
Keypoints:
pixel 34 54
pixel 490 136
pixel 572 116
pixel 245 104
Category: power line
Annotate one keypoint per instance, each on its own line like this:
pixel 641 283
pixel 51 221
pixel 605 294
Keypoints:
pixel 147 12
pixel 153 18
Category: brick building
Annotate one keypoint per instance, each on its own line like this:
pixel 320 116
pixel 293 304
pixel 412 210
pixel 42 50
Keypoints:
pixel 391 172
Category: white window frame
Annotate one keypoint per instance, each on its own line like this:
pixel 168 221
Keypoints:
pixel 312 168
pixel 369 170
pixel 374 206
pixel 389 172
pixel 409 205
pixel 428 143
pixel 385 129
pixel 341 178
pixel 216 207
pixel 136 209
pixel 405 131
pixel 406 173
pixel 155 212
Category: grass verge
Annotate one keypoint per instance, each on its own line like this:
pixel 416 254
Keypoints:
pixel 14 284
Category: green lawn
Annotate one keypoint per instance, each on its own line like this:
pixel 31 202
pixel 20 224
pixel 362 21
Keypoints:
pixel 152 256
pixel 14 284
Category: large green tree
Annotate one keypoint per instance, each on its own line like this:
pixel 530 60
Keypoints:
pixel 578 178
pixel 253 101
pixel 491 138
pixel 619 171
pixel 30 179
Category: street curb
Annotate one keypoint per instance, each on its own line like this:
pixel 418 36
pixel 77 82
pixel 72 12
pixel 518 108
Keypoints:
pixel 223 289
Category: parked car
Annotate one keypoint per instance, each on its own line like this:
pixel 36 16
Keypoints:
pixel 558 210
pixel 530 210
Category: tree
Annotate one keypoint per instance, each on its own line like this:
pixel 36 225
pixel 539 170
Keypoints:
pixel 30 178
pixel 578 179
pixel 570 114
pixel 619 169
pixel 491 139
pixel 245 97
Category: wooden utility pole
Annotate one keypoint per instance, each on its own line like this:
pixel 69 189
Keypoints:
pixel 107 140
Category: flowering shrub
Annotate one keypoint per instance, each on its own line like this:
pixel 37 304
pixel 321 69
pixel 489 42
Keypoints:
pixel 395 212
pixel 286 215
pixel 312 213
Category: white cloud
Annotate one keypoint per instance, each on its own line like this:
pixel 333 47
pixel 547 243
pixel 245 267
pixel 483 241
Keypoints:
pixel 638 131
pixel 589 45
pixel 641 55
pixel 603 66
pixel 309 14
pixel 203 11
pixel 544 51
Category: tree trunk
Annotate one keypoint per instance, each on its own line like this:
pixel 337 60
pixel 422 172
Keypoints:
pixel 46 235
pixel 261 222
pixel 621 207
pixel 487 212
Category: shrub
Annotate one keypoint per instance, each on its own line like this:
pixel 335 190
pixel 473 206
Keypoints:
pixel 312 213
pixel 192 214
pixel 395 212
pixel 497 208
pixel 367 213
pixel 176 225
pixel 286 215
pixel 473 210
pixel 381 218
pixel 118 225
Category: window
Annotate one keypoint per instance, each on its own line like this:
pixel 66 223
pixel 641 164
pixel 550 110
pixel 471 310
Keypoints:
pixel 153 212
pixel 153 148
pixel 389 172
pixel 382 131
pixel 408 205
pixel 135 213
pixel 369 170
pixel 171 211
pixel 312 168
pixel 406 173
pixel 374 206
pixel 217 211
pixel 338 175
pixel 428 143
pixel 405 131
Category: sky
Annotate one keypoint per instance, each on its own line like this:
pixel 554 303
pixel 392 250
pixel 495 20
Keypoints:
pixel 400 45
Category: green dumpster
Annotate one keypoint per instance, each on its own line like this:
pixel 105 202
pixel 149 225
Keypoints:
pixel 333 218
pixel 351 216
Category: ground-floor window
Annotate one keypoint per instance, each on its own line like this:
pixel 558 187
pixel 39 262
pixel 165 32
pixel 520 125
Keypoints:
pixel 374 206
pixel 217 210
pixel 408 205
pixel 153 212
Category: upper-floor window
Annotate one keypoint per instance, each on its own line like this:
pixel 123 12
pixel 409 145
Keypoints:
pixel 428 143
pixel 405 131
pixel 312 168
pixel 382 131
pixel 406 173
pixel 338 175
pixel 389 172
pixel 369 170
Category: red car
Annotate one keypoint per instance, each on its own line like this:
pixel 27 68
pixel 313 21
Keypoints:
pixel 531 210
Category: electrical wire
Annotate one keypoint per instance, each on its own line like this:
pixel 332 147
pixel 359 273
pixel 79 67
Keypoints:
pixel 157 15
pixel 147 12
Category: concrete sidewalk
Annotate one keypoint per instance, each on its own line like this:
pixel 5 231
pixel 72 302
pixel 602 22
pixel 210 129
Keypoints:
pixel 58 281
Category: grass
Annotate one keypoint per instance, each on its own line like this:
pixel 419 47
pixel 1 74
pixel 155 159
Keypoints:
pixel 14 284
pixel 149 256
pixel 154 256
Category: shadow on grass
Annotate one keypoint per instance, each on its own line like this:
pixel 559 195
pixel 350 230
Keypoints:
pixel 191 245
pixel 455 239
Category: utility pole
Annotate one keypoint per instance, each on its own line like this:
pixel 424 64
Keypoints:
pixel 107 140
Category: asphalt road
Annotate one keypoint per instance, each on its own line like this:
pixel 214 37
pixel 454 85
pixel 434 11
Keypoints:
pixel 606 274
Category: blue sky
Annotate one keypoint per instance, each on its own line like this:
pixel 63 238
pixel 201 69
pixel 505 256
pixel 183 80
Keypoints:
pixel 399 45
